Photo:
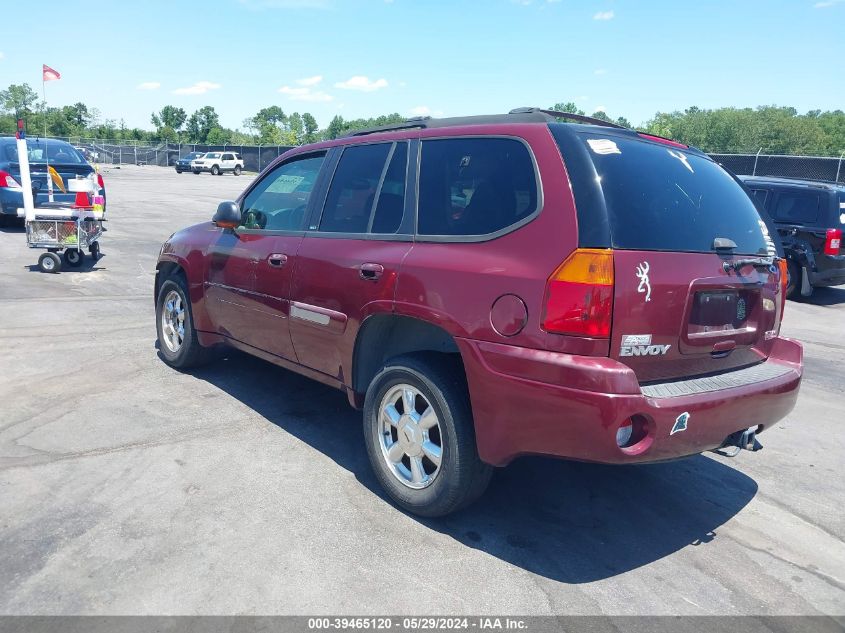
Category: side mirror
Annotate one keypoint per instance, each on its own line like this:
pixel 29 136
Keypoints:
pixel 228 215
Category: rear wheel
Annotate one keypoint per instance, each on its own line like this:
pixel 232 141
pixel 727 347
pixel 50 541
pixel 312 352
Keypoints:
pixel 237 170
pixel 215 170
pixel 177 338
pixel 420 438
pixel 73 257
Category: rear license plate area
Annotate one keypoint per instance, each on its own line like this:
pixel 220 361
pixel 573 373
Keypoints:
pixel 720 311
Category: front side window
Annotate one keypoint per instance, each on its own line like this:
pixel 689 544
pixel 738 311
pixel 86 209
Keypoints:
pixel 354 187
pixel 474 186
pixel 278 202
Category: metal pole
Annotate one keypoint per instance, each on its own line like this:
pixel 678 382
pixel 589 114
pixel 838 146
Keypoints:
pixel 259 157
pixel 754 173
pixel 839 166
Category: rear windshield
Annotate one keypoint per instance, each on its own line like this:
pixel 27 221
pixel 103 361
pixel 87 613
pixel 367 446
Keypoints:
pixel 663 198
pixel 44 151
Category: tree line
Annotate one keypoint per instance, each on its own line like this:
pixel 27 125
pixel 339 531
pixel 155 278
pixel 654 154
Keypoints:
pixel 778 130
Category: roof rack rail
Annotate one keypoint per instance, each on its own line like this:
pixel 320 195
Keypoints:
pixel 407 124
pixel 517 115
pixel 569 115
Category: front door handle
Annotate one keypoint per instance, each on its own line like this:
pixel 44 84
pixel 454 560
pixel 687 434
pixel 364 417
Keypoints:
pixel 371 272
pixel 277 260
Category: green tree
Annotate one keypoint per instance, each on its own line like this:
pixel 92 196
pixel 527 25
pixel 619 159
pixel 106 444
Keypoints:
pixel 169 116
pixel 311 127
pixel 19 99
pixel 200 124
pixel 218 136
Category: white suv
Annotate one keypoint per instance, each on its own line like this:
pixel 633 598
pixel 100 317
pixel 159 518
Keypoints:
pixel 218 162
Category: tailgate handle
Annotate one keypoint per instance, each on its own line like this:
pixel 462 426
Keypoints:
pixel 723 348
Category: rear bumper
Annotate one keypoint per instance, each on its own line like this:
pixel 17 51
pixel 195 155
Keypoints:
pixel 830 270
pixel 521 406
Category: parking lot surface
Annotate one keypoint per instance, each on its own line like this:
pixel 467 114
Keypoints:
pixel 129 488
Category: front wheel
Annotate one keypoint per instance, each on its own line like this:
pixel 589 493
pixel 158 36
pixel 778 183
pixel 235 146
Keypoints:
pixel 420 438
pixel 196 171
pixel 178 171
pixel 177 338
pixel 215 170
pixel 49 263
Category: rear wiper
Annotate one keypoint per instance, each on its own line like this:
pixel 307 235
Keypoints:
pixel 757 262
pixel 723 244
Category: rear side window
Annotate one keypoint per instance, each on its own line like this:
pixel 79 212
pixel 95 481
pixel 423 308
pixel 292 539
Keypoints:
pixel 796 207
pixel 353 190
pixel 474 186
pixel 663 198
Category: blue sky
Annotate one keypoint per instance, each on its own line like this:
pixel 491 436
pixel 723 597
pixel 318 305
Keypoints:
pixel 442 57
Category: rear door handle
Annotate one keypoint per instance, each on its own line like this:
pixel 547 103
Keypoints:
pixel 371 272
pixel 277 260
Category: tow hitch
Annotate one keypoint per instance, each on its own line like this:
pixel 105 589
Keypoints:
pixel 746 440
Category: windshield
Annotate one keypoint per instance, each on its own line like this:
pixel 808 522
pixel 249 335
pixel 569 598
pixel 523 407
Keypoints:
pixel 40 151
pixel 193 155
pixel 664 198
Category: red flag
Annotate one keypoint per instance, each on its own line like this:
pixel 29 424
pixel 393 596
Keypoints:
pixel 49 74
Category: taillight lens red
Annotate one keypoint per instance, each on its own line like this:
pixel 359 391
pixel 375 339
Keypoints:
pixel 833 242
pixel 100 182
pixel 7 182
pixel 579 295
pixel 784 282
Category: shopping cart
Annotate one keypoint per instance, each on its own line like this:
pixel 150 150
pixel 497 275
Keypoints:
pixel 66 231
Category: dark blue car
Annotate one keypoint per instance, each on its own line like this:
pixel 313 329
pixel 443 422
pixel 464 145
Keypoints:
pixel 63 157
pixel 184 163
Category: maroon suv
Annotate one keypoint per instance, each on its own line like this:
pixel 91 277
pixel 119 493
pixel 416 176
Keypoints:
pixel 497 286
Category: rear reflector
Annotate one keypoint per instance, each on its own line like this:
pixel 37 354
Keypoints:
pixel 7 182
pixel 833 242
pixel 579 295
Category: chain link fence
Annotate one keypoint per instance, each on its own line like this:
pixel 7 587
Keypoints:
pixel 125 152
pixel 827 168
pixel 257 157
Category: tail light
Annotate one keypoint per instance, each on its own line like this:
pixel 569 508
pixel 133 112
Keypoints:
pixel 784 282
pixel 7 182
pixel 833 242
pixel 579 295
pixel 100 183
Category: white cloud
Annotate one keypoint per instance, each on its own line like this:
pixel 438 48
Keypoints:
pixel 362 83
pixel 826 3
pixel 310 81
pixel 2 55
pixel 601 108
pixel 304 94
pixel 148 85
pixel 600 71
pixel 199 88
pixel 603 15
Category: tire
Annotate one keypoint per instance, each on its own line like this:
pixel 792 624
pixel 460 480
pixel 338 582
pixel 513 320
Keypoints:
pixel 188 352
pixel 215 170
pixel 94 250
pixel 178 171
pixel 793 283
pixel 435 489
pixel 72 257
pixel 237 170
pixel 196 171
pixel 49 263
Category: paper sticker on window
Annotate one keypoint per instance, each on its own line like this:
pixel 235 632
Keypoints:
pixel 603 146
pixel 285 184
